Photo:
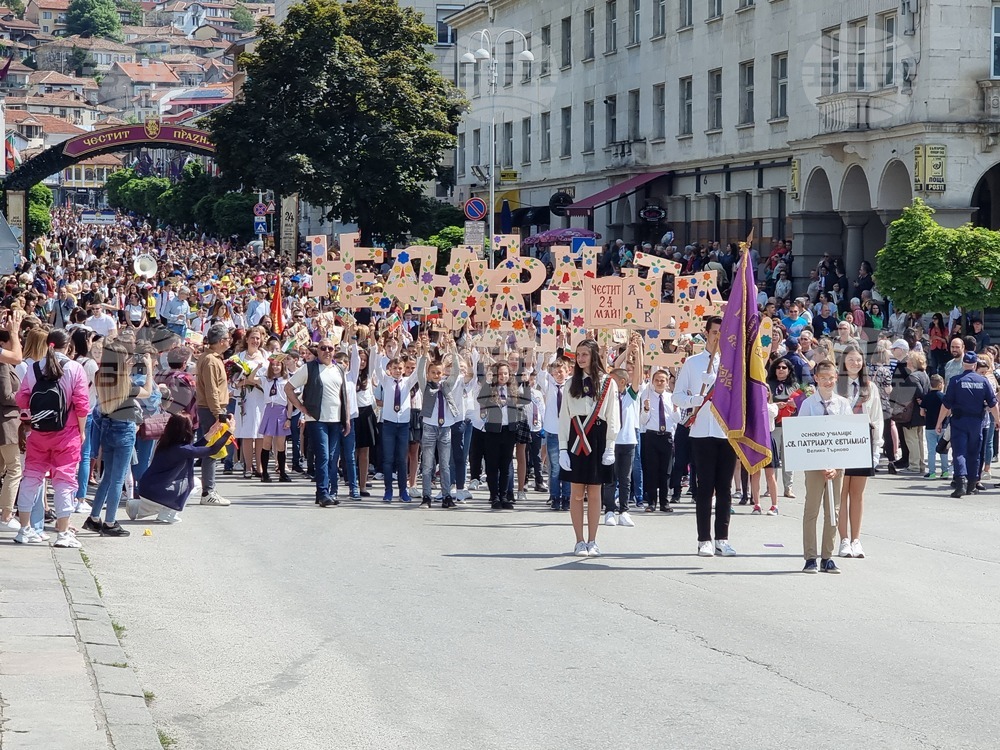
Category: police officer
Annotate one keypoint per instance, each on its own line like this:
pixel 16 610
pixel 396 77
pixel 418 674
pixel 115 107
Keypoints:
pixel 968 397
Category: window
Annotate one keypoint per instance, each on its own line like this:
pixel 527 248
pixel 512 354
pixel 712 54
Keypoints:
pixel 634 21
pixel 588 127
pixel 860 56
pixel 526 140
pixel 445 33
pixel 659 111
pixel 477 146
pixel 508 63
pixel 477 80
pixel 779 85
pixel 611 27
pixel 526 65
pixel 47 15
pixel 889 48
pixel 660 18
pixel 567 42
pixel 714 9
pixel 831 61
pixel 746 4
pixel 611 119
pixel 746 93
pixel 508 144
pixel 588 34
pixel 546 50
pixel 461 153
pixel 567 132
pixel 685 105
pixel 546 128
pixel 687 13
pixel 715 100
pixel 633 115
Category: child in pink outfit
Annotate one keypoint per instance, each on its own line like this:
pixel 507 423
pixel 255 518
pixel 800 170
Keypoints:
pixel 55 453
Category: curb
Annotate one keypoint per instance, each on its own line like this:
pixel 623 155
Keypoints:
pixel 127 719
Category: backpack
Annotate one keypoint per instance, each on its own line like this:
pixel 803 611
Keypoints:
pixel 47 403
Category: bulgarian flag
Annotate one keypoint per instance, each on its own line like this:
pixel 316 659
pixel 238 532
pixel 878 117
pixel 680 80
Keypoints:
pixel 277 313
pixel 394 322
pixel 13 157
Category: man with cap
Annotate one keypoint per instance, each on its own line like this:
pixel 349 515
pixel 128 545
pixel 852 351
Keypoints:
pixel 803 372
pixel 967 400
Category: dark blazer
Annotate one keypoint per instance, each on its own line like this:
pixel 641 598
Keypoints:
pixel 489 408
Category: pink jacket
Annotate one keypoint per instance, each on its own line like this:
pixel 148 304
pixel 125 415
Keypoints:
pixel 74 385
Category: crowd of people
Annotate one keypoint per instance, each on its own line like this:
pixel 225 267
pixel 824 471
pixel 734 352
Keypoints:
pixel 130 390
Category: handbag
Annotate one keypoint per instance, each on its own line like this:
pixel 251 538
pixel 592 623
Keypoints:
pixel 152 427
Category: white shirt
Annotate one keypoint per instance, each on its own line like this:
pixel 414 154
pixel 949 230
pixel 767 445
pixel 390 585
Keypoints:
pixel 689 385
pixel 817 406
pixel 649 411
pixel 551 389
pixel 102 323
pixel 582 407
pixel 389 413
pixel 332 380
pixel 534 411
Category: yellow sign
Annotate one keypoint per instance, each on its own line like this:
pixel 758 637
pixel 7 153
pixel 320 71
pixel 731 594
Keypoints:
pixel 793 179
pixel 935 163
pixel 918 168
pixel 508 175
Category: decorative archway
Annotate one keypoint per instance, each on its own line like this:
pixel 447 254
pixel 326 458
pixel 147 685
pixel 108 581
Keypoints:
pixel 895 190
pixel 986 199
pixel 854 192
pixel 817 195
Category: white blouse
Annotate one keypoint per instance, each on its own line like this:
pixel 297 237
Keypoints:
pixel 583 406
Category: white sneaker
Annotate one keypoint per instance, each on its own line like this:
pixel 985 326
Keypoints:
pixel 522 496
pixel 132 508
pixel 466 495
pixel 67 539
pixel 213 498
pixel 705 549
pixel 580 551
pixel 723 548
pixel 624 519
pixel 856 548
pixel 593 550
pixel 609 519
pixel 12 525
pixel 473 484
pixel 379 476
pixel 83 507
pixel 845 548
pixel 27 535
pixel 168 516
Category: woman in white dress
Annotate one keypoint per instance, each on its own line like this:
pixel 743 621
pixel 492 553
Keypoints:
pixel 250 401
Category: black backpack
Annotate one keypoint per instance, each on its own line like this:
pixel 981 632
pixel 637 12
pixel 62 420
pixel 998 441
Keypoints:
pixel 47 403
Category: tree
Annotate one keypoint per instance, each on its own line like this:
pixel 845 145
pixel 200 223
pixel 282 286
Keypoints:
pixel 430 215
pixel 114 183
pixel 94 18
pixel 41 195
pixel 17 6
pixel 243 18
pixel 39 210
pixel 233 214
pixel 77 61
pixel 925 266
pixel 343 105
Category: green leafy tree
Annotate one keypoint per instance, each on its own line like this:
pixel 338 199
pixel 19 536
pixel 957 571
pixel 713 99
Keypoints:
pixel 41 195
pixel 233 215
pixel 77 60
pixel 114 183
pixel 40 202
pixel 430 215
pixel 94 18
pixel 17 6
pixel 343 105
pixel 925 266
pixel 243 18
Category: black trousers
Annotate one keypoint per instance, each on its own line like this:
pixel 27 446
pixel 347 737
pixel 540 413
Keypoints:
pixel 657 453
pixel 477 446
pixel 624 458
pixel 683 459
pixel 714 466
pixel 499 453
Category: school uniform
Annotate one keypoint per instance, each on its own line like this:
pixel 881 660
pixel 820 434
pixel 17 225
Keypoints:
pixel 658 422
pixel 555 393
pixel 439 411
pixel 397 407
pixel 587 426
pixel 500 408
pixel 625 445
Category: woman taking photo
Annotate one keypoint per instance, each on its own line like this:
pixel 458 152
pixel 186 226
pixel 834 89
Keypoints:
pixel 588 428
pixel 938 334
pixel 782 384
pixel 855 386
pixel 117 419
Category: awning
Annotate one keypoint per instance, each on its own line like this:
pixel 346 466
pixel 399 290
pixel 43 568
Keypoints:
pixel 537 216
pixel 518 215
pixel 586 206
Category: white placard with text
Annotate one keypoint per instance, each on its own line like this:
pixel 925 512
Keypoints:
pixel 832 442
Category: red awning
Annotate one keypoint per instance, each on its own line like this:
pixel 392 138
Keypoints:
pixel 586 206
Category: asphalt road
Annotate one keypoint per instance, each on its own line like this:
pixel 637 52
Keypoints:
pixel 276 624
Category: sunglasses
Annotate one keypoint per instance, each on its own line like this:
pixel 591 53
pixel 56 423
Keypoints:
pixel 781 367
pixel 325 348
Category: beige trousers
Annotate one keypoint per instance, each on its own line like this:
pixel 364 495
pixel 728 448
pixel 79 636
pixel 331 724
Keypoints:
pixel 817 500
pixel 10 467
pixel 917 447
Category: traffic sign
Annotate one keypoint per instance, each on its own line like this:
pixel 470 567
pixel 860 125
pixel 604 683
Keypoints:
pixel 475 209
pixel 271 208
pixel 475 233
pixel 260 209
pixel 260 225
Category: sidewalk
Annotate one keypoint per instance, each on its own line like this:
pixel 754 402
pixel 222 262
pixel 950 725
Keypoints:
pixel 64 677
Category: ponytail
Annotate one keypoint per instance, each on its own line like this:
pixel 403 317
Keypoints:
pixel 57 339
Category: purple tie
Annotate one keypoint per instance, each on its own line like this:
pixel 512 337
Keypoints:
pixel 558 400
pixel 398 404
pixel 663 415
pixel 534 412
pixel 440 407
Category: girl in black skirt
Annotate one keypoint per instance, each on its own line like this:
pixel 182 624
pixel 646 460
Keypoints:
pixel 588 427
pixel 366 425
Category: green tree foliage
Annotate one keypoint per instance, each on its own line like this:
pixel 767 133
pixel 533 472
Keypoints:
pixel 40 202
pixel 77 61
pixel 41 195
pixel 232 214
pixel 114 184
pixel 17 6
pixel 925 266
pixel 94 18
pixel 243 18
pixel 430 215
pixel 343 105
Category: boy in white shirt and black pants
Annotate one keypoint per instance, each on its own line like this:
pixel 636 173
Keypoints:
pixel 818 501
pixel 658 420
pixel 625 443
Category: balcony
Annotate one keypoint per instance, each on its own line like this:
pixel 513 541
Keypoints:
pixel 628 153
pixel 848 111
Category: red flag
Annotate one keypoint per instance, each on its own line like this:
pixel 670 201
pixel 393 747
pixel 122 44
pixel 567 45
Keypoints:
pixel 277 314
pixel 6 68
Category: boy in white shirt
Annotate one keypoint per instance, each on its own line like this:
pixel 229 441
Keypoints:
pixel 825 401
pixel 658 420
pixel 625 443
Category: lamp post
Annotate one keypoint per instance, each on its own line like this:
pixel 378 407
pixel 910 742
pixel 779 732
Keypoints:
pixel 488 52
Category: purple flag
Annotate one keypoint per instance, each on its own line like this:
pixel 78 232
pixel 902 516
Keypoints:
pixel 739 398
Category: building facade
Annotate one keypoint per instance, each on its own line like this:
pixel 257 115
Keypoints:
pixel 816 122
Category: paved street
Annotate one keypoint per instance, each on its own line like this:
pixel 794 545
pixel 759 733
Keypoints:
pixel 274 624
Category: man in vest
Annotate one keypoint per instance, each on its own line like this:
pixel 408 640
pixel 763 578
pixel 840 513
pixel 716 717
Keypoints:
pixel 324 407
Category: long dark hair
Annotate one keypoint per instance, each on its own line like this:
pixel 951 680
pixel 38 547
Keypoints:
pixel 177 431
pixel 81 342
pixel 864 384
pixel 57 339
pixel 596 370
pixel 789 383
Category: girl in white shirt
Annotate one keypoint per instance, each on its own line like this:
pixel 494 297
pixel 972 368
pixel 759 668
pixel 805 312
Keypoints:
pixel 276 419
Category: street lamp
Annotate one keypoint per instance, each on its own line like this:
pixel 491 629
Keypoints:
pixel 488 52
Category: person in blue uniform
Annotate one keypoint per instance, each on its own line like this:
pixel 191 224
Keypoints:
pixel 967 400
